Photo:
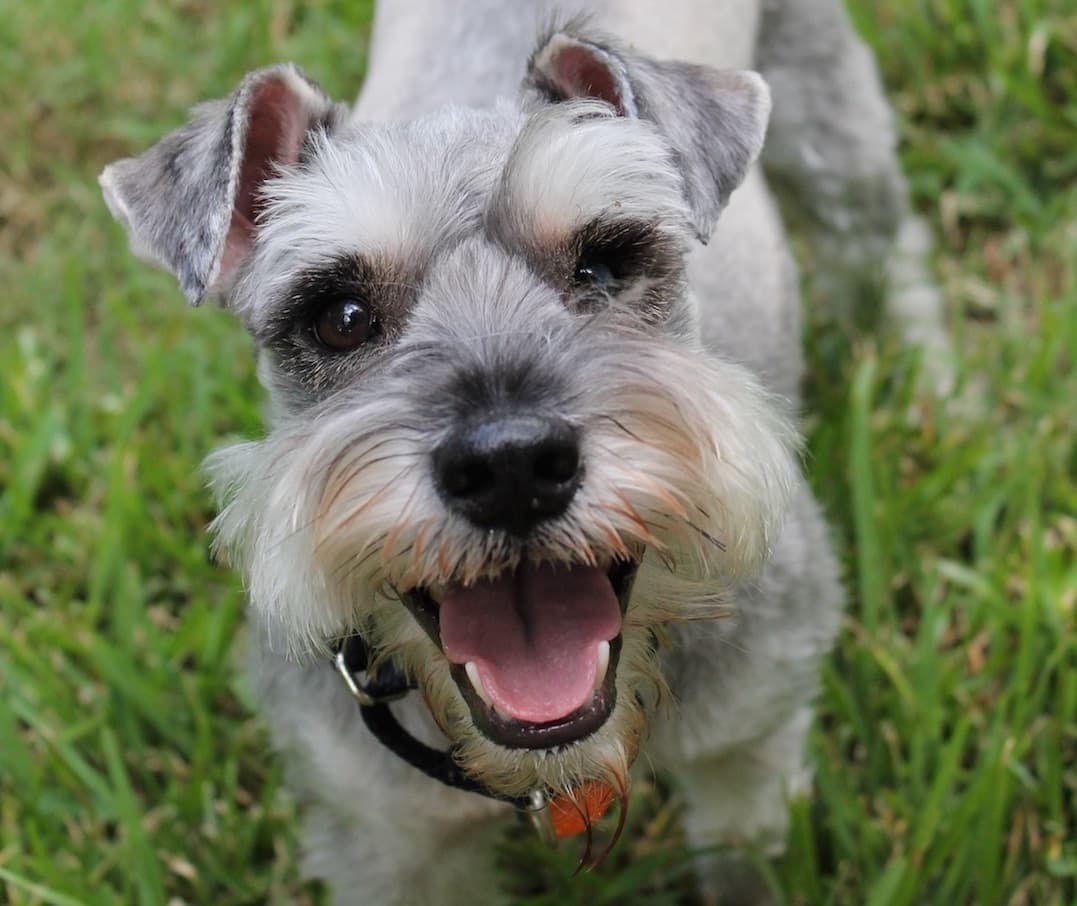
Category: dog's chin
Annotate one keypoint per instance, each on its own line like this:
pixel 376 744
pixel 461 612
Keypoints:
pixel 533 652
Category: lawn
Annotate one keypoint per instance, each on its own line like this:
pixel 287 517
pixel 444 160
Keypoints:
pixel 131 768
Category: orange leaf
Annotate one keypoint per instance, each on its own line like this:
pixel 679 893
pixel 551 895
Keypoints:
pixel 570 815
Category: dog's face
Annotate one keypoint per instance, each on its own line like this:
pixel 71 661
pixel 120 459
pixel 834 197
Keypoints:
pixel 496 447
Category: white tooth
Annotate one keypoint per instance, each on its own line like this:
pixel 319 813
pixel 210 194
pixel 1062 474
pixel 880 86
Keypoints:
pixel 473 674
pixel 603 664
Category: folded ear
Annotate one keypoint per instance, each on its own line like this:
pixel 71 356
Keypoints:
pixel 714 120
pixel 191 202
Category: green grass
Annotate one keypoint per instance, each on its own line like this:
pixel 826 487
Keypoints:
pixel 131 771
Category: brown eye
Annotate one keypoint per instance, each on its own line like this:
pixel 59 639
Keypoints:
pixel 344 325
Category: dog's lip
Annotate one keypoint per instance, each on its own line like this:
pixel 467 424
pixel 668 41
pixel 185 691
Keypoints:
pixel 520 734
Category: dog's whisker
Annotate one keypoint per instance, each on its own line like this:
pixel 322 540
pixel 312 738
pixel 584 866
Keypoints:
pixel 357 512
pixel 584 863
pixel 342 484
pixel 668 560
pixel 706 536
pixel 401 523
pixel 642 528
pixel 362 447
pixel 358 559
pixel 418 545
pixel 619 424
pixel 308 524
pixel 443 560
pixel 622 816
pixel 676 508
pixel 615 541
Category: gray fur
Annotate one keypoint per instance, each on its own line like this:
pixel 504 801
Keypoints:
pixel 177 200
pixel 454 204
pixel 714 120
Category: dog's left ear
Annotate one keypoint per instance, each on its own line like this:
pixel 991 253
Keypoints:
pixel 191 203
pixel 714 120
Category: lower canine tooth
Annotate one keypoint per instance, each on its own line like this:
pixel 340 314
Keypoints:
pixel 603 664
pixel 473 674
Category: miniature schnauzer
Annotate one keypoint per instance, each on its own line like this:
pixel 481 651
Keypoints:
pixel 530 330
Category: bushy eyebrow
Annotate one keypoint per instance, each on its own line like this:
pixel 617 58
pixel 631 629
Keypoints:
pixel 628 238
pixel 564 171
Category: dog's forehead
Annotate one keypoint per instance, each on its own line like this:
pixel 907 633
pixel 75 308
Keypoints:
pixel 394 190
pixel 405 194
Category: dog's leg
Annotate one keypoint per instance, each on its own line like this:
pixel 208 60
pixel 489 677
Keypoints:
pixel 742 691
pixel 742 795
pixel 423 861
pixel 831 149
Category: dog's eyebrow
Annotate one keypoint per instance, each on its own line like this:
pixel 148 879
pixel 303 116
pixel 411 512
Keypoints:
pixel 563 171
pixel 636 243
pixel 345 277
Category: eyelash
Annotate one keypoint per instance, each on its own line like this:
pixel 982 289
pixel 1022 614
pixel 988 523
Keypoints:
pixel 625 253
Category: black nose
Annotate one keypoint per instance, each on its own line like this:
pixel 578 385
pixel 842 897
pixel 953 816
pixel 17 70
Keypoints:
pixel 509 472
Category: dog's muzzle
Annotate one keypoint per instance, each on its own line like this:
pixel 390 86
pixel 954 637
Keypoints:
pixel 533 649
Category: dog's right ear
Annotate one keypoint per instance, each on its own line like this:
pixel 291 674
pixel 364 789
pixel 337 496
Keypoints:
pixel 713 120
pixel 191 202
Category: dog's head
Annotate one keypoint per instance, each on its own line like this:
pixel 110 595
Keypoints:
pixel 496 447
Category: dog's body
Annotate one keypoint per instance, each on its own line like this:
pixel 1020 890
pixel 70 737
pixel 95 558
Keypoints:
pixel 655 366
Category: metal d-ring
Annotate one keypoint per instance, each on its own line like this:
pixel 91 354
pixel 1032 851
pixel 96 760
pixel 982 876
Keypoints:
pixel 538 815
pixel 361 695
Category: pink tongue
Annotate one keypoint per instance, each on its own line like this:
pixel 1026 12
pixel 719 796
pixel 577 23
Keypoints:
pixel 533 635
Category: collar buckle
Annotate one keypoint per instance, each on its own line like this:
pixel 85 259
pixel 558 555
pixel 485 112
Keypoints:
pixel 373 692
pixel 387 684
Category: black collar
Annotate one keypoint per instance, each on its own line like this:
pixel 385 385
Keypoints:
pixel 375 691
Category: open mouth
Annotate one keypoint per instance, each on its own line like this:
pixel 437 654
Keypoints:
pixel 534 651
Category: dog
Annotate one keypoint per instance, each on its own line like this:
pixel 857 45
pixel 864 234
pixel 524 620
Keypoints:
pixel 530 330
